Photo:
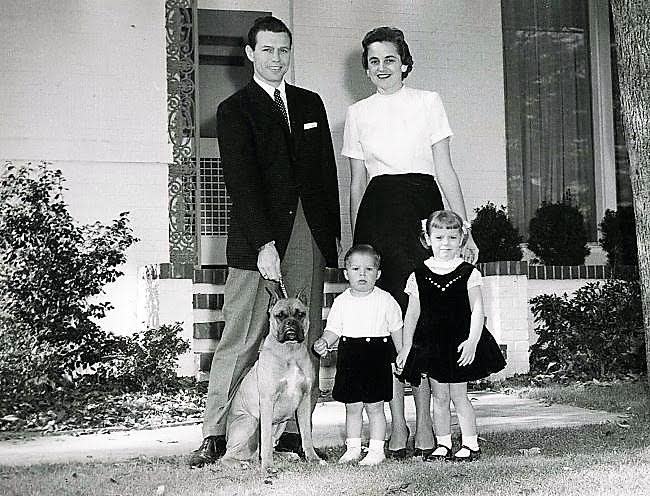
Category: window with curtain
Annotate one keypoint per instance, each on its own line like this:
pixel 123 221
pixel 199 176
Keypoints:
pixel 548 107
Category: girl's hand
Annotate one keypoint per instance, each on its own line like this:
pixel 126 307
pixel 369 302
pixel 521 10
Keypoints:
pixel 401 360
pixel 321 347
pixel 467 350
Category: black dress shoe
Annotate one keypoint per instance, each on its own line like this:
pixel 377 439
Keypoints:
pixel 291 442
pixel 212 448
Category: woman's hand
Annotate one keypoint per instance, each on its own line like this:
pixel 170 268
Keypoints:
pixel 467 350
pixel 470 250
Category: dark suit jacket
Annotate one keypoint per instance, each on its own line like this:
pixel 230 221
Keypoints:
pixel 267 169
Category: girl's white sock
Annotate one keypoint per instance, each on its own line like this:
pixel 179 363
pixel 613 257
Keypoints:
pixel 471 442
pixel 444 440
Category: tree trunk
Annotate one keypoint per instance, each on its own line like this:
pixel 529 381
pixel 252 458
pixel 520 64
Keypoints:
pixel 632 35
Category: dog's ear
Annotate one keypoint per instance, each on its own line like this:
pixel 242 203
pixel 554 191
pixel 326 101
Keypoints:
pixel 300 295
pixel 274 296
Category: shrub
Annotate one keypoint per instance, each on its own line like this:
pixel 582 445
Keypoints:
pixel 619 237
pixel 558 235
pixel 144 361
pixel 495 235
pixel 596 333
pixel 50 267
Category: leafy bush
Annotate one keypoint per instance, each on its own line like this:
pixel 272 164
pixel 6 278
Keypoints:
pixel 596 333
pixel 144 361
pixel 619 237
pixel 495 235
pixel 50 267
pixel 557 234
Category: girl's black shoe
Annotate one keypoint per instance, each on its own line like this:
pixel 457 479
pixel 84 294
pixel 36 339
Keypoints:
pixel 439 455
pixel 473 455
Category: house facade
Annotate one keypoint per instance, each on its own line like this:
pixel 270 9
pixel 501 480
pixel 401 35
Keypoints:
pixel 121 97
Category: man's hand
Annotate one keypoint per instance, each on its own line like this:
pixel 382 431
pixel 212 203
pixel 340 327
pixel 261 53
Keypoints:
pixel 268 262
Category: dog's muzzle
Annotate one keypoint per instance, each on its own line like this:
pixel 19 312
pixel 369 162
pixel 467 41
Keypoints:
pixel 291 330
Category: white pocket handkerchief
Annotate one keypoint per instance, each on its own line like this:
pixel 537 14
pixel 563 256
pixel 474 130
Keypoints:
pixel 310 125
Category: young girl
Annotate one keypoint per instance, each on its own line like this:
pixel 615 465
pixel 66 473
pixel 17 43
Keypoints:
pixel 444 339
pixel 363 319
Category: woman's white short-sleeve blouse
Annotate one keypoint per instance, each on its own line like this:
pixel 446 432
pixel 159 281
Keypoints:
pixel 393 133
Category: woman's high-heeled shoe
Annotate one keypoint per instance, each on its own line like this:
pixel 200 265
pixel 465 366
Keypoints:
pixel 423 452
pixel 401 453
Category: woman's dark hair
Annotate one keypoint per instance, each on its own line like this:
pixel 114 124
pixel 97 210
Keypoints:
pixel 394 36
pixel 267 23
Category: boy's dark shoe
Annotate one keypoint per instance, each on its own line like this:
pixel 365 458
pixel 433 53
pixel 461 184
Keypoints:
pixel 212 448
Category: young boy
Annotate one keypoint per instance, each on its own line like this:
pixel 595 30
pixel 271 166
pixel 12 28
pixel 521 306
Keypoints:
pixel 363 319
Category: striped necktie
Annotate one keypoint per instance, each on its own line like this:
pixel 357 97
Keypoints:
pixel 279 105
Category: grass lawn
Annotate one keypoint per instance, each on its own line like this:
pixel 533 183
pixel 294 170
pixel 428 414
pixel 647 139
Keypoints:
pixel 612 459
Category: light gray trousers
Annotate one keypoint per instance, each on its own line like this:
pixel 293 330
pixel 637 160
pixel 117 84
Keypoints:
pixel 245 309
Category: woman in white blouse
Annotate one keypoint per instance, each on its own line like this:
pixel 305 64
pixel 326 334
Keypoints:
pixel 397 141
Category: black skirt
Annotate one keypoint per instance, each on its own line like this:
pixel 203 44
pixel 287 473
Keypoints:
pixel 363 370
pixel 390 219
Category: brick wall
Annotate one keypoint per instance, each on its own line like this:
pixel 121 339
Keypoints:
pixel 507 289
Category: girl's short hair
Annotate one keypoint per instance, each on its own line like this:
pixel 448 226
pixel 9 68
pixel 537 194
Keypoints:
pixel 447 219
pixel 362 250
pixel 394 36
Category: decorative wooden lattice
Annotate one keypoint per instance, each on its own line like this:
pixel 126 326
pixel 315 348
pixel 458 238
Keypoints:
pixel 181 125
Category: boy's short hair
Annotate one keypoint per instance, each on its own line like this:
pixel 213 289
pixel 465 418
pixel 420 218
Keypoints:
pixel 362 250
pixel 267 23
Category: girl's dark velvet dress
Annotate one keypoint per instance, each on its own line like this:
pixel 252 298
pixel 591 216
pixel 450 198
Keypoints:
pixel 444 323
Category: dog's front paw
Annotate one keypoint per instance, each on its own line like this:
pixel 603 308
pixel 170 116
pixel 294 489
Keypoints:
pixel 314 458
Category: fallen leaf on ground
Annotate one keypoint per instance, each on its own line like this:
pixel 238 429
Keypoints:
pixel 530 451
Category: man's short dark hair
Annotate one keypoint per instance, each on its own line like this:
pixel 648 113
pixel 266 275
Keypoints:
pixel 267 23
pixel 394 36
pixel 362 250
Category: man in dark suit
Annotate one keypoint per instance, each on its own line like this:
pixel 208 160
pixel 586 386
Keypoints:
pixel 280 172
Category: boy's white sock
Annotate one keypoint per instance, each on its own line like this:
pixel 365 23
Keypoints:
pixel 375 453
pixel 353 451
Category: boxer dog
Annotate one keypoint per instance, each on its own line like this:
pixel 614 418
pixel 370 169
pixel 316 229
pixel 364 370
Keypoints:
pixel 278 386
